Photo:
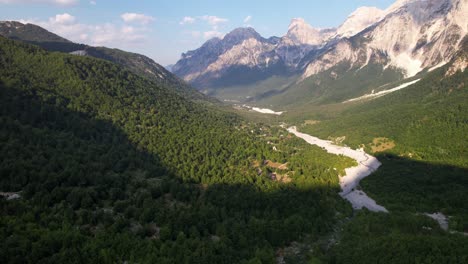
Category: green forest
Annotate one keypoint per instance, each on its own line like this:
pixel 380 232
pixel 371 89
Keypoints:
pixel 397 238
pixel 114 167
pixel 136 63
pixel 426 168
pixel 111 163
pixel 419 135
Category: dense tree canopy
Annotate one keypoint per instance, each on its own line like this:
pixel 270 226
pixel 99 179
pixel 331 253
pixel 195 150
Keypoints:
pixel 420 134
pixel 114 167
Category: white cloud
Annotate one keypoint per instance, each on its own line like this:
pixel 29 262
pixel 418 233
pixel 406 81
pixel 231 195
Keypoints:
pixel 109 34
pixel 92 2
pixel 64 2
pixel 105 34
pixel 63 19
pixel 137 18
pixel 187 20
pixel 212 34
pixel 214 20
pixel 55 2
pixel 247 19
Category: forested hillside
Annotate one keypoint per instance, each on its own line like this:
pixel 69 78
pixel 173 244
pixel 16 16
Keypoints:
pixel 113 167
pixel 425 123
pixel 326 87
pixel 137 63
pixel 420 136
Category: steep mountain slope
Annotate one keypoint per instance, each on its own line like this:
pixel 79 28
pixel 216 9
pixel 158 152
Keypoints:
pixel 242 56
pixel 301 39
pixel 335 85
pixel 410 36
pixel 111 167
pixel 29 32
pixel 402 41
pixel 413 35
pixel 424 123
pixel 420 135
pixel 137 63
pixel 359 20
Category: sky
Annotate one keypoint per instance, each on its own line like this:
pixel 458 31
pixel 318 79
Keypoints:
pixel 164 29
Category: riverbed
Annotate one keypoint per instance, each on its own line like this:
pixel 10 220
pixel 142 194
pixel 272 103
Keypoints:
pixel 350 181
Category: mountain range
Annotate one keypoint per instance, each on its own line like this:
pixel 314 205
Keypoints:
pixel 107 157
pixel 409 37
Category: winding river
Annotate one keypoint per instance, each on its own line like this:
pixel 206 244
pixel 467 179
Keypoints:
pixel 366 165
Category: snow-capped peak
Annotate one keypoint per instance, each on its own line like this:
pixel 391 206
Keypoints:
pixel 359 20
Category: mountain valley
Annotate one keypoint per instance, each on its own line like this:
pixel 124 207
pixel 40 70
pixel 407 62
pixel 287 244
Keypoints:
pixel 324 145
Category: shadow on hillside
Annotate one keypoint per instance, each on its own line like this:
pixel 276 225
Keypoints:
pixel 55 155
pixel 66 47
pixel 405 184
pixel 75 170
pixel 46 145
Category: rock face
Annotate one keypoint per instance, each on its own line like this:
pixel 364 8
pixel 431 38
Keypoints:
pixel 241 51
pixel 359 20
pixel 409 36
pixel 301 39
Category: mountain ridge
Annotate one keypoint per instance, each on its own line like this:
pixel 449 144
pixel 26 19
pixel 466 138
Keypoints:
pixel 407 37
pixel 137 63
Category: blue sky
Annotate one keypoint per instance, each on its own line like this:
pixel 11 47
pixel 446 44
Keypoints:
pixel 163 29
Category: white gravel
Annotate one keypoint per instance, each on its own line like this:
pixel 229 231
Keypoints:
pixel 11 195
pixel 441 219
pixel 366 165
pixel 266 111
pixel 262 110
pixel 382 93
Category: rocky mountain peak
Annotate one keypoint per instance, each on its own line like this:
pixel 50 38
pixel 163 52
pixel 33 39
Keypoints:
pixel 299 32
pixel 240 34
pixel 359 20
pixel 412 35
pixel 407 37
pixel 298 22
pixel 212 41
pixel 421 9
